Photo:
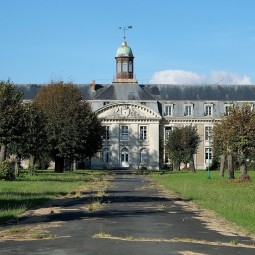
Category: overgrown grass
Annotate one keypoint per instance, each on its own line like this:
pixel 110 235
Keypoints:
pixel 28 191
pixel 231 199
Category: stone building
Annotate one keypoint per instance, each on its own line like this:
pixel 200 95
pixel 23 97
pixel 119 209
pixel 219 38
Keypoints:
pixel 137 118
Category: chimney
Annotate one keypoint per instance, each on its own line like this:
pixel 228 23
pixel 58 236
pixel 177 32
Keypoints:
pixel 93 85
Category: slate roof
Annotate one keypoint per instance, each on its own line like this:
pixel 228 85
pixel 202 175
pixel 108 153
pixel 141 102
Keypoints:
pixel 29 90
pixel 202 92
pixel 125 92
pixel 156 92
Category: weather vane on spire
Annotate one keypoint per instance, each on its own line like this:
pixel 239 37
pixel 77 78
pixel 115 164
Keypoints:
pixel 124 30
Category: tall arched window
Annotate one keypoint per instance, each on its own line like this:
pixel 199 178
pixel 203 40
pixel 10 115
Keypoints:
pixel 124 155
pixel 106 155
pixel 125 67
pixel 143 156
pixel 119 67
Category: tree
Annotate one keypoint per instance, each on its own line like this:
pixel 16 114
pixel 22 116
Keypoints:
pixel 236 136
pixel 181 145
pixel 190 141
pixel 73 130
pixel 173 148
pixel 33 142
pixel 10 111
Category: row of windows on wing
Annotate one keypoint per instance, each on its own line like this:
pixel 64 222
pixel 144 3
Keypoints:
pixel 124 67
pixel 189 108
pixel 124 157
pixel 208 152
pixel 124 133
pixel 208 132
pixel 208 156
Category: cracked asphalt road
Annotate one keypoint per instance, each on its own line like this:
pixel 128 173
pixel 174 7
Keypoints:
pixel 134 218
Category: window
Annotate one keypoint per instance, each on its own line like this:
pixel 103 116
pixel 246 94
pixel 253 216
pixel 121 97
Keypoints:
pixel 106 135
pixel 119 67
pixel 124 156
pixel 188 110
pixel 143 133
pixel 124 133
pixel 168 131
pixel 227 109
pixel 106 155
pixel 208 155
pixel 106 103
pixel 124 67
pixel 130 67
pixel 168 110
pixel 143 156
pixel 143 103
pixel 208 133
pixel 208 110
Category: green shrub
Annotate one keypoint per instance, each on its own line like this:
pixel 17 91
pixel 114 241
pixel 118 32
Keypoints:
pixel 7 171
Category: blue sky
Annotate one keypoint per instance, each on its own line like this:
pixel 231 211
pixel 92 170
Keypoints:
pixel 174 41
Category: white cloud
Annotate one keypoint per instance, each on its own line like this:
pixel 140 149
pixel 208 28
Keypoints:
pixel 188 77
pixel 229 78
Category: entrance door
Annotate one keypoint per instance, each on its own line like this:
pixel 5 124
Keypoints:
pixel 124 158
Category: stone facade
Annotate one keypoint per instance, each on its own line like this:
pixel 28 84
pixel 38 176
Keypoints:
pixel 137 117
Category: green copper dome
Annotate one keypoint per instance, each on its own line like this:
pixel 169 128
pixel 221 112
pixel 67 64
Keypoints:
pixel 124 50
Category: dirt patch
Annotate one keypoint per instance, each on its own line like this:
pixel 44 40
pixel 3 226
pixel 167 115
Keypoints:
pixel 190 253
pixel 103 235
pixel 29 232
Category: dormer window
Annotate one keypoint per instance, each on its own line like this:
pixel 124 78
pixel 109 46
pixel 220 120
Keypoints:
pixel 168 110
pixel 227 109
pixel 188 110
pixel 208 110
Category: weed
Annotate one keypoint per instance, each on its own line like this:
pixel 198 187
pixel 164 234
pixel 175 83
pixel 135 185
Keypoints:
pixel 234 242
pixel 93 206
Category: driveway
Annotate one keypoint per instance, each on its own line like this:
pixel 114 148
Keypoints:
pixel 128 214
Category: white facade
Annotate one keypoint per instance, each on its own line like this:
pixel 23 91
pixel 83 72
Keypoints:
pixel 137 117
pixel 131 137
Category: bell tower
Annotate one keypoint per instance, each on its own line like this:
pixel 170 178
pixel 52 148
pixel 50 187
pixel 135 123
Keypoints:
pixel 124 62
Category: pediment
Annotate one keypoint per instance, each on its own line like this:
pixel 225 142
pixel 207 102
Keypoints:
pixel 127 111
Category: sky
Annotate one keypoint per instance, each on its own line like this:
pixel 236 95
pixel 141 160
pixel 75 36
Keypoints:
pixel 173 41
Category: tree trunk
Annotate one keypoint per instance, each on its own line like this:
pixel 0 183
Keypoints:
pixel 222 165
pixel 31 164
pixel 3 153
pixel 74 165
pixel 176 166
pixel 192 165
pixel 231 174
pixel 243 169
pixel 59 164
pixel 17 166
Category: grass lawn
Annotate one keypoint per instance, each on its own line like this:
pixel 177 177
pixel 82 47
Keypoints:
pixel 233 200
pixel 28 191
